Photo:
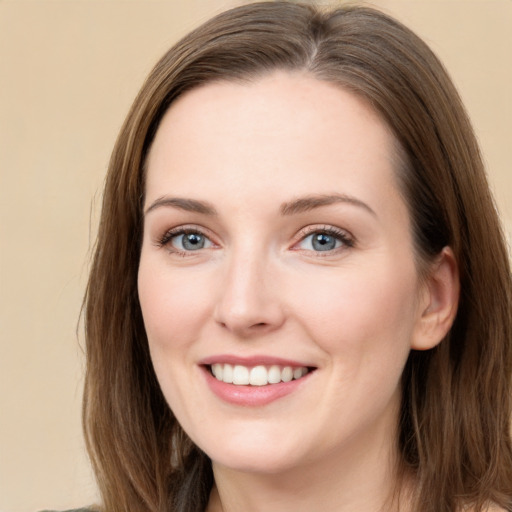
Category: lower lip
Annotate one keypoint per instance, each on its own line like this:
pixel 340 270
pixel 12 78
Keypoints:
pixel 252 396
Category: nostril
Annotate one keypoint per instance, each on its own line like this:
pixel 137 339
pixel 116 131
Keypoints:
pixel 260 326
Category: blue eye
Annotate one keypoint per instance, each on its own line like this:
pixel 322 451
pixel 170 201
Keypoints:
pixel 191 241
pixel 323 241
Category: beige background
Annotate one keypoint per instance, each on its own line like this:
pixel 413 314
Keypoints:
pixel 68 72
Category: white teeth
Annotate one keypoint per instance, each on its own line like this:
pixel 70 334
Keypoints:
pixel 217 370
pixel 240 375
pixel 287 374
pixel 256 375
pixel 274 375
pixel 226 373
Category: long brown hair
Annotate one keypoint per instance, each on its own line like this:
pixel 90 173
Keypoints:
pixel 456 398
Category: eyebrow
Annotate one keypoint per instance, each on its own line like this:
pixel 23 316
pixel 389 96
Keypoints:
pixel 299 205
pixel 304 204
pixel 189 205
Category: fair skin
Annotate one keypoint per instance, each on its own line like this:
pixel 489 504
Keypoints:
pixel 275 235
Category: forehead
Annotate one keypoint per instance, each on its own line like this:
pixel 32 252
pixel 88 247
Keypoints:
pixel 287 131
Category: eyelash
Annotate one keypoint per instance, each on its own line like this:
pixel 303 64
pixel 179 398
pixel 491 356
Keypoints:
pixel 343 236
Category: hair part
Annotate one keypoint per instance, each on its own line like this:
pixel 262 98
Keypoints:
pixel 454 431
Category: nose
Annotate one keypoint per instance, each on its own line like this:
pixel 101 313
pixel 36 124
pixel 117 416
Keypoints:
pixel 249 304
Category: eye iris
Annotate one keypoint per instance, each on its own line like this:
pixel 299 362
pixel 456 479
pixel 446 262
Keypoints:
pixel 193 241
pixel 323 242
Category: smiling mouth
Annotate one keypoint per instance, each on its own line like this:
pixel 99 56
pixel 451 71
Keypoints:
pixel 240 375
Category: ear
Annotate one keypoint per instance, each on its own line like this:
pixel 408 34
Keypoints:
pixel 438 302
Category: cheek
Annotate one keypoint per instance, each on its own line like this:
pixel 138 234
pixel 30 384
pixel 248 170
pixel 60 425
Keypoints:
pixel 364 324
pixel 172 305
pixel 361 308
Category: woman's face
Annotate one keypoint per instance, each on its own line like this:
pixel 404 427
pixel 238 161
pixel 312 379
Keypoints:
pixel 277 246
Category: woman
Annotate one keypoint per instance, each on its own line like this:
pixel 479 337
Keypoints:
pixel 300 296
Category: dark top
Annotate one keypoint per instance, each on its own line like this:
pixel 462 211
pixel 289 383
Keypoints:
pixel 74 510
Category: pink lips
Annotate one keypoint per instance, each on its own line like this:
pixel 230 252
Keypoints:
pixel 250 396
pixel 250 361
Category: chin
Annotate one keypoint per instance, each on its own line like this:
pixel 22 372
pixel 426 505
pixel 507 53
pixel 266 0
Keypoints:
pixel 256 463
pixel 251 456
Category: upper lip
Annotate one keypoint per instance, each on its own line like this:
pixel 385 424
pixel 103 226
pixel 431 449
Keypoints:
pixel 256 360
